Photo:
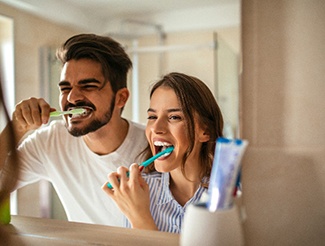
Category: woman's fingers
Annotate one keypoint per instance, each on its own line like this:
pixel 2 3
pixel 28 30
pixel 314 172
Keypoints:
pixel 131 193
pixel 123 177
pixel 124 180
pixel 134 174
pixel 113 179
pixel 107 190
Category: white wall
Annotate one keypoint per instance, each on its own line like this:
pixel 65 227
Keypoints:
pixel 283 120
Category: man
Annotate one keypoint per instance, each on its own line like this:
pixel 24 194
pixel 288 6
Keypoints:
pixel 75 154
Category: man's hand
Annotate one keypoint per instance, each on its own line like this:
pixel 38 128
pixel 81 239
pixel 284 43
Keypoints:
pixel 30 114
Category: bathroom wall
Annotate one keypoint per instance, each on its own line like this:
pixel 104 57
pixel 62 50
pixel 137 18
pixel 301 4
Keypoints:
pixel 283 119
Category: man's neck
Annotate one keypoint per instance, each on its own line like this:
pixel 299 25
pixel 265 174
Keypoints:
pixel 108 138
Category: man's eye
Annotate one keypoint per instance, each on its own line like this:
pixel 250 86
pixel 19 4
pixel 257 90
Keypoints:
pixel 65 89
pixel 151 117
pixel 90 87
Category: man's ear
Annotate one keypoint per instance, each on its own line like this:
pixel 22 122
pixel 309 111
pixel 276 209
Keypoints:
pixel 121 97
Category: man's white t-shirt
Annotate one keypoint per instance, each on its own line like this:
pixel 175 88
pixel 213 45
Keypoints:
pixel 77 173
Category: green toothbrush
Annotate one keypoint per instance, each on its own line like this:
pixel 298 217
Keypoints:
pixel 73 111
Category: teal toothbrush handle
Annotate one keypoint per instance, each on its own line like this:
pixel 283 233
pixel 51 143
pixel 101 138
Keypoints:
pixel 149 161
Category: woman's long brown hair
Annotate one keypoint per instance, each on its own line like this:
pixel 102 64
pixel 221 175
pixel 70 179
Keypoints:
pixel 195 98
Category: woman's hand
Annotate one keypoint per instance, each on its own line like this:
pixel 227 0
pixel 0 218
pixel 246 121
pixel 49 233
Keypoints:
pixel 131 194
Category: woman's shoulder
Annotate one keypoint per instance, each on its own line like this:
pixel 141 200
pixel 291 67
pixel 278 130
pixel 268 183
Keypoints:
pixel 153 174
pixel 157 179
pixel 158 182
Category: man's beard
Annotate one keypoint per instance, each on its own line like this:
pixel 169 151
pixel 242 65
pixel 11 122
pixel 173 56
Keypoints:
pixel 95 124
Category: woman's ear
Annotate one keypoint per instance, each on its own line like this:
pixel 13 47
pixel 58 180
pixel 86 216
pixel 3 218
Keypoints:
pixel 121 97
pixel 205 137
pixel 204 134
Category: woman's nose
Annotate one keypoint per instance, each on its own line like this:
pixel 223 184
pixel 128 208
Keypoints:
pixel 159 126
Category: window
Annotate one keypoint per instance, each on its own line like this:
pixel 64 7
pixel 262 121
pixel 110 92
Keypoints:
pixel 8 82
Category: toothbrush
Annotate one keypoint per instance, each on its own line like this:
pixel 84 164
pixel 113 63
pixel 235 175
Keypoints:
pixel 73 111
pixel 149 161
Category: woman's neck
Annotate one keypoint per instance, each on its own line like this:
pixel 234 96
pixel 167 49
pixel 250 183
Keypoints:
pixel 181 188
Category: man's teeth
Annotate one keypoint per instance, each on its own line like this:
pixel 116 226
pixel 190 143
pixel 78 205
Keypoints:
pixel 85 113
pixel 78 115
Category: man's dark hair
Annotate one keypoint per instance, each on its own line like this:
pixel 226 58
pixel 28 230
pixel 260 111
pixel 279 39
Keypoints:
pixel 105 50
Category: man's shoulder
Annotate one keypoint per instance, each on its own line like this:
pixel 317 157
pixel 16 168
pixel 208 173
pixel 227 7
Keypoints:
pixel 54 126
pixel 137 131
pixel 53 129
pixel 53 134
pixel 137 126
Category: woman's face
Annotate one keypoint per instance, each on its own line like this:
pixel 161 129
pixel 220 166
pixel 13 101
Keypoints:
pixel 166 126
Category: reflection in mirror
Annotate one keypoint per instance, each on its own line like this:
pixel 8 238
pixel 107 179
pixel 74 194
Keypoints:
pixel 182 39
pixel 227 87
pixel 50 67
pixel 204 54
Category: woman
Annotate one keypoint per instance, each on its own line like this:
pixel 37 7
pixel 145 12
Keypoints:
pixel 184 114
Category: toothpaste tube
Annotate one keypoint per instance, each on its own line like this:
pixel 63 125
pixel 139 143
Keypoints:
pixel 225 171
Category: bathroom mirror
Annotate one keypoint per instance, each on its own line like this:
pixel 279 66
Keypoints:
pixel 208 57
pixel 174 42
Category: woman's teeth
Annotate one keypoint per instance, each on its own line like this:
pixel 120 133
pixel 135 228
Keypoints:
pixel 161 146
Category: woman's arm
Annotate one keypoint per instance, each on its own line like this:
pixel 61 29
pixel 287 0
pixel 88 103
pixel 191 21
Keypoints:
pixel 131 194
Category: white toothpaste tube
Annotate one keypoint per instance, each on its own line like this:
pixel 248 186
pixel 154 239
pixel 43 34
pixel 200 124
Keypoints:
pixel 224 173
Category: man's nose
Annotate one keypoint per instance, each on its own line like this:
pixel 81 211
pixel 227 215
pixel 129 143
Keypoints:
pixel 75 95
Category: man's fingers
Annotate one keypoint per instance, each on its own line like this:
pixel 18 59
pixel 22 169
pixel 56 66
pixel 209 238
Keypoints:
pixel 45 110
pixel 32 113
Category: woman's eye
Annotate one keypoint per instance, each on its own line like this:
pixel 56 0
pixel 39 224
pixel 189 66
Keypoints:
pixel 175 117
